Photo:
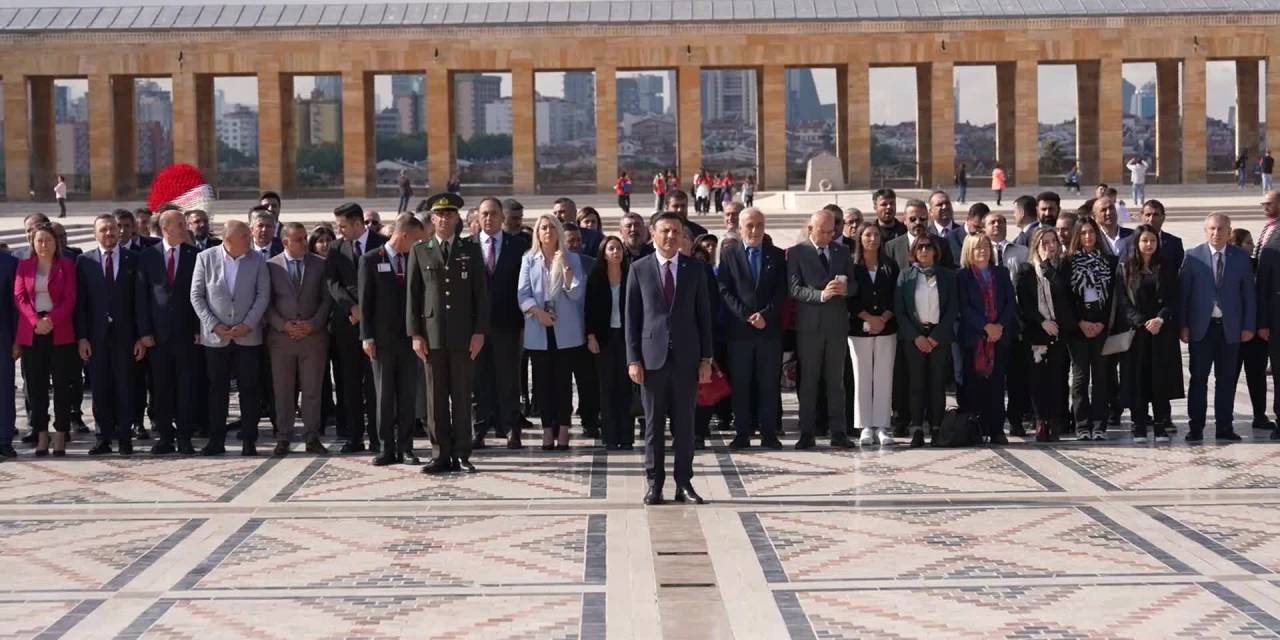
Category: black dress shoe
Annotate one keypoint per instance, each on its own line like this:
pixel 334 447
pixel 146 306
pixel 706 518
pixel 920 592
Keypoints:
pixel 653 496
pixel 463 464
pixel 1275 435
pixel 410 458
pixel 213 449
pixel 771 443
pixel 627 446
pixel 162 447
pixel 1113 419
pixel 562 447
pixel 140 432
pixel 78 425
pixel 999 438
pixel 281 450
pixel 30 438
pixel 686 492
pixel 739 443
pixel 1228 436
pixel 917 440
pixel 315 446
pixel 513 441
pixel 126 448
pixel 352 446
pixel 375 447
pixel 1195 435
pixel 439 465
pixel 248 449
pixel 700 444
pixel 806 441
pixel 102 448
pixel 591 431
pixel 1017 429
pixel 841 442
pixel 6 451
pixel 384 460
pixel 1263 424
pixel 186 448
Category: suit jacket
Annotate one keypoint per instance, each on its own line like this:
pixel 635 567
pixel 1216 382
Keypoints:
pixel 209 243
pixel 874 297
pixel 448 303
pixel 1015 255
pixel 343 280
pixel 504 309
pixel 909 326
pixel 100 307
pixel 1267 274
pixel 1026 287
pixel 138 243
pixel 1171 252
pixel 535 291
pixel 743 295
pixel 8 306
pixel 1024 237
pixel 1122 234
pixel 954 238
pixel 599 303
pixel 656 333
pixel 276 248
pixel 899 249
pixel 62 288
pixel 972 314
pixel 216 303
pixel 807 279
pixel 163 311
pixel 383 299
pixel 1236 294
pixel 309 301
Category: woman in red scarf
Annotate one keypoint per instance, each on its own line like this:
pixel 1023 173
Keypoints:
pixel 986 318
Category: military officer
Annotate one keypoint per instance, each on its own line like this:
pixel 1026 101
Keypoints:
pixel 448 317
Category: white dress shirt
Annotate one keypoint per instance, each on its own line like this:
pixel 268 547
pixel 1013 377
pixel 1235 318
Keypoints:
pixel 230 268
pixel 927 306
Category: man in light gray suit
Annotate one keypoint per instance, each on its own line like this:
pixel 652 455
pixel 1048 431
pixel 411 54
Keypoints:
pixel 297 338
pixel 230 291
pixel 820 277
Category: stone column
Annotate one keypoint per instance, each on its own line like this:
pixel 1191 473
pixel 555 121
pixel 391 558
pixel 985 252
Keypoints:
pixel 1026 133
pixel 440 137
pixel 772 128
pixel 276 142
pixel 1087 121
pixel 688 120
pixel 1111 121
pixel 194 138
pixel 606 129
pixel 112 138
pixel 1273 103
pixel 523 139
pixel 1194 149
pixel 1007 92
pixel 43 139
pixel 853 133
pixel 1168 160
pixel 941 147
pixel 1247 108
pixel 17 139
pixel 924 125
pixel 357 133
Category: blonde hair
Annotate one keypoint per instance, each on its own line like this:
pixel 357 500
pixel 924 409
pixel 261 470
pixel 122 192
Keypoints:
pixel 535 249
pixel 970 243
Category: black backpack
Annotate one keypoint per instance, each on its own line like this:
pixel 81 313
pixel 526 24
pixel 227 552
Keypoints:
pixel 958 429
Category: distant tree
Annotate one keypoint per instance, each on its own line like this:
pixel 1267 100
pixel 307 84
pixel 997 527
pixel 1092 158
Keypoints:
pixel 408 147
pixel 485 147
pixel 231 158
pixel 1053 158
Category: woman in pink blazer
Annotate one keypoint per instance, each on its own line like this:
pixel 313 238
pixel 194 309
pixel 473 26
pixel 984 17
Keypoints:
pixel 44 292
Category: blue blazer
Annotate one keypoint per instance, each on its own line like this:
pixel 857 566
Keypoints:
pixel 532 292
pixel 1236 296
pixel 973 317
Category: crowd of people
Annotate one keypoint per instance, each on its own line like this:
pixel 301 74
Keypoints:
pixel 1052 323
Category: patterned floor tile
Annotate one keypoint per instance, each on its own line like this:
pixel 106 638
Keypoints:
pixel 853 473
pixel 939 544
pixel 83 555
pixel 128 480
pixel 511 617
pixel 1057 611
pixel 1248 535
pixel 1138 468
pixel 41 618
pixel 500 477
pixel 394 552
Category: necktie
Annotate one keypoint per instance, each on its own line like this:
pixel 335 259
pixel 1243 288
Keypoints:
pixel 444 247
pixel 1264 238
pixel 754 253
pixel 295 273
pixel 1000 256
pixel 1217 269
pixel 822 257
pixel 171 268
pixel 359 250
pixel 399 267
pixel 668 284
pixel 491 258
pixel 266 253
pixel 108 269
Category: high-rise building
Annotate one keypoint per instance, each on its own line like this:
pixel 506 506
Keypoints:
pixel 153 104
pixel 61 103
pixel 403 84
pixel 497 117
pixel 1126 96
pixel 472 91
pixel 803 104
pixel 1144 101
pixel 640 95
pixel 71 148
pixel 729 94
pixel 219 103
pixel 580 87
pixel 329 87
pixel 317 120
pixel 238 128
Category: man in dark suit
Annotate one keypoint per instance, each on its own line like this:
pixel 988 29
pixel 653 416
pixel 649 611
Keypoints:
pixel 132 240
pixel 820 277
pixel 200 236
pixel 129 238
pixel 8 326
pixel 669 351
pixel 448 318
pixel 355 384
pixel 1218 311
pixel 198 228
pixel 170 331
pixel 585 377
pixel 383 300
pixel 265 241
pixel 498 402
pixel 942 223
pixel 917 217
pixel 107 329
pixel 1170 251
pixel 566 210
pixel 1266 253
pixel 753 285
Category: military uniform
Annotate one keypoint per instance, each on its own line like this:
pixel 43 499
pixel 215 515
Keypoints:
pixel 448 303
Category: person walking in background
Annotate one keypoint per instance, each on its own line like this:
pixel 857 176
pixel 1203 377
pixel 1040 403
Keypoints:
pixel 1092 275
pixel 998 182
pixel 60 194
pixel 454 185
pixel 1241 168
pixel 44 292
pixel 925 305
pixel 962 182
pixel 1267 170
pixel 659 191
pixel 749 191
pixel 1138 176
pixel 873 335
pixel 622 188
pixel 1151 370
pixel 406 191
pixel 1046 313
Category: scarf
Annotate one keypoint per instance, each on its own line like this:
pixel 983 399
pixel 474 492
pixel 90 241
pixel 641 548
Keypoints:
pixel 984 356
pixel 1090 271
pixel 1044 304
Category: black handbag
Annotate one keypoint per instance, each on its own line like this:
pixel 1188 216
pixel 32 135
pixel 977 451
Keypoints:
pixel 958 429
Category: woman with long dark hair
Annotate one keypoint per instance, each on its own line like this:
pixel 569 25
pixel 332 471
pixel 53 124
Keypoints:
pixel 1045 309
pixel 44 292
pixel 605 312
pixel 985 293
pixel 1091 273
pixel 1151 371
pixel 873 336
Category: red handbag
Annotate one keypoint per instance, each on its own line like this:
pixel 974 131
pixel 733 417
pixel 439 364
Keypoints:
pixel 711 393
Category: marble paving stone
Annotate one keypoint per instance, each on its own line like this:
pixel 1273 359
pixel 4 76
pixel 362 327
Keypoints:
pixel 1138 468
pixel 127 480
pixel 1246 535
pixel 82 554
pixel 41 618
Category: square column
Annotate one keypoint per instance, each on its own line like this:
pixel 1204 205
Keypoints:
pixel 853 123
pixel 606 128
pixel 1017 120
pixel 523 140
pixel 357 133
pixel 772 127
pixel 440 137
pixel 924 125
pixel 44 139
pixel 689 119
pixel 1087 121
pixel 1006 120
pixel 17 139
pixel 194 137
pixel 276 152
pixel 1168 161
pixel 935 90
pixel 1273 103
pixel 113 161
pixel 1194 149
pixel 1111 121
pixel 1247 108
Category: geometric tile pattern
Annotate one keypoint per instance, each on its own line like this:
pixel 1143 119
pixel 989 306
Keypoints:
pixel 82 555
pixel 127 480
pixel 24 619
pixel 1175 468
pixel 1241 533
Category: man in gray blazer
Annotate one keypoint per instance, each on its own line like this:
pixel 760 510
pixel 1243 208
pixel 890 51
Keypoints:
pixel 297 337
pixel 820 277
pixel 230 291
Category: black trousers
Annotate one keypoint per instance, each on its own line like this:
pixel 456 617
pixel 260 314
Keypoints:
pixel 986 394
pixel 1090 384
pixel 356 391
pixel 616 426
pixel 113 372
pixel 49 366
pixel 245 362
pixel 172 368
pixel 755 366
pixel 1018 380
pixel 927 384
pixel 450 374
pixel 669 394
pixel 552 391
pixel 396 377
pixel 199 372
pixel 1048 384
pixel 624 202
pixel 1253 360
pixel 497 402
pixel 587 381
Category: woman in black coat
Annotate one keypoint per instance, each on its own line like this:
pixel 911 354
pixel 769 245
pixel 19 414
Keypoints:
pixel 1091 274
pixel 1151 371
pixel 987 308
pixel 606 303
pixel 1044 305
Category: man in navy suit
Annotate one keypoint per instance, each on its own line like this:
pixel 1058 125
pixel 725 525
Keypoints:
pixel 170 331
pixel 753 285
pixel 8 325
pixel 498 404
pixel 669 351
pixel 108 332
pixel 1218 308
pixel 1170 251
pixel 128 232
